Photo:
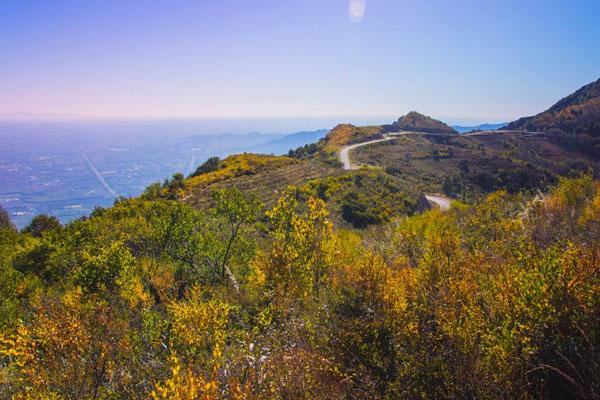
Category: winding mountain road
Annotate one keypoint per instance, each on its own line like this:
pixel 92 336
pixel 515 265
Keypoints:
pixel 345 156
pixel 345 151
pixel 484 133
pixel 442 202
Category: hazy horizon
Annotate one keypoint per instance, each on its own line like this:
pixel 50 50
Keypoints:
pixel 230 125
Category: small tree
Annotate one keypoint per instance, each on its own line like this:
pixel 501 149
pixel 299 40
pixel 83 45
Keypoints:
pixel 174 186
pixel 152 192
pixel 447 186
pixel 210 165
pixel 297 261
pixel 5 222
pixel 42 223
pixel 234 211
pixel 204 243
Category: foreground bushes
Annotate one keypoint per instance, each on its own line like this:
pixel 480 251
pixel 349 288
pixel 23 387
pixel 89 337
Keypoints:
pixel 151 299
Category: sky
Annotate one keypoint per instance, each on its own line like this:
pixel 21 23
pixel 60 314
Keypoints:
pixel 460 61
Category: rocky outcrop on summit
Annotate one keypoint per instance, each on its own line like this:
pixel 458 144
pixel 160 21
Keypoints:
pixel 416 122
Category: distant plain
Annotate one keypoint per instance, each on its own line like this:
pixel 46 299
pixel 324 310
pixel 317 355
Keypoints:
pixel 43 167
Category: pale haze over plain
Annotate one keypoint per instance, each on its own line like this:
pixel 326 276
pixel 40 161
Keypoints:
pixel 456 60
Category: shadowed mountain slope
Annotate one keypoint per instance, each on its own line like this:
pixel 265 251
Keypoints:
pixel 573 120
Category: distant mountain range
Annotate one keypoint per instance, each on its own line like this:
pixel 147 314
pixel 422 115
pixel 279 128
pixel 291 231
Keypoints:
pixel 254 142
pixel 482 127
pixel 229 142
pixel 282 144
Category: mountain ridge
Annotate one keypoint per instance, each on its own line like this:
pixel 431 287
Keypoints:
pixel 429 157
pixel 480 127
pixel 574 120
pixel 344 134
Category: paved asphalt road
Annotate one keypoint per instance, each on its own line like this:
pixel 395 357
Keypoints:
pixel 344 156
pixel 442 202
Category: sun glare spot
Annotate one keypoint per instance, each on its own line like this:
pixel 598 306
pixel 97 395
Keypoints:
pixel 356 10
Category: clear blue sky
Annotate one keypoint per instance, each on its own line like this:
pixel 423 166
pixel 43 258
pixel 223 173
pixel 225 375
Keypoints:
pixel 456 60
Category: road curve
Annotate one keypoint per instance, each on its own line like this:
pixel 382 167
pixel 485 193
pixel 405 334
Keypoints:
pixel 499 131
pixel 344 152
pixel 442 202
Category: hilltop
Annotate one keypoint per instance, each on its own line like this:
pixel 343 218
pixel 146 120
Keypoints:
pixel 574 120
pixel 416 122
pixel 345 134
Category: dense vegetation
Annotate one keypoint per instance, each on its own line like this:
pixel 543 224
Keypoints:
pixel 155 299
pixel 362 198
pixel 305 151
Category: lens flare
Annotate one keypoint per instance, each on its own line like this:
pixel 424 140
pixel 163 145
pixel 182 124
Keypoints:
pixel 356 10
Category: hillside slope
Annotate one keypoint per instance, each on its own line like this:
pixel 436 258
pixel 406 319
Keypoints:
pixel 467 167
pixel 265 175
pixel 574 119
pixel 345 134
pixel 355 198
pixel 429 158
pixel 158 300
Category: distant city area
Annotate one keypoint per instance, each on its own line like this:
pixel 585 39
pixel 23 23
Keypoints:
pixel 67 170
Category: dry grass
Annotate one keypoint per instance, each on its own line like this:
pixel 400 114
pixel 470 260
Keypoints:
pixel 266 176
pixel 346 134
pixel 239 165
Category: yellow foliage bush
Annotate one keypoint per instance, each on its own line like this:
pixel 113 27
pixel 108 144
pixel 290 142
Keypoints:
pixel 237 165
